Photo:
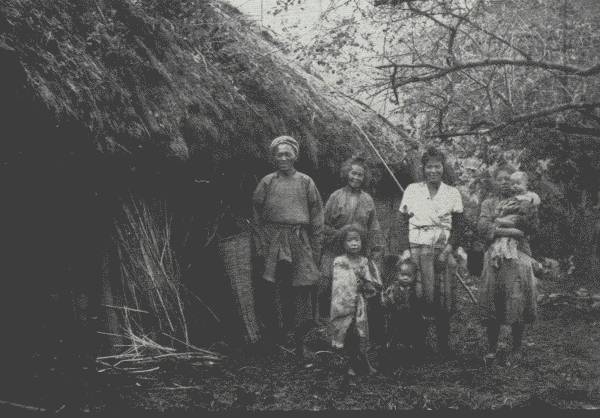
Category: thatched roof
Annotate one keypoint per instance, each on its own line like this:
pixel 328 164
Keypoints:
pixel 149 83
pixel 102 97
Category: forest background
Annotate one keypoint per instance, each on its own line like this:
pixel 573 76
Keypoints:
pixel 489 81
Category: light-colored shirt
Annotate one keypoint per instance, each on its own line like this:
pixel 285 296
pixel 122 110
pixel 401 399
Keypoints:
pixel 432 216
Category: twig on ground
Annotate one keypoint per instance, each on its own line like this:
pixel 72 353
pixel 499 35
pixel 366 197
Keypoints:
pixel 179 387
pixel 248 367
pixel 285 349
pixel 153 369
pixel 116 356
pixel 462 282
pixel 193 347
pixel 202 303
pixel 125 308
pixel 22 406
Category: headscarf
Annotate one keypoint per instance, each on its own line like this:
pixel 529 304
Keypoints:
pixel 287 140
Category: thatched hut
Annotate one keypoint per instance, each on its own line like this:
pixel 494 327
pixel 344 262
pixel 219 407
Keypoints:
pixel 173 103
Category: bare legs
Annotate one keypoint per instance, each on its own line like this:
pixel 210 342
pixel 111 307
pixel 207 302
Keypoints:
pixel 493 332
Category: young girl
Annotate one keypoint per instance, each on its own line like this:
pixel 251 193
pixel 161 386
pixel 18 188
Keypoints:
pixel 353 280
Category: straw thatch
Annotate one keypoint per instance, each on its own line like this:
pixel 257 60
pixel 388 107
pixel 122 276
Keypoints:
pixel 197 83
pixel 175 101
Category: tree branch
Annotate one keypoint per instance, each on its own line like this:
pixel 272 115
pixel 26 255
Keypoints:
pixel 496 37
pixel 526 117
pixel 443 71
pixel 576 130
pixel 385 120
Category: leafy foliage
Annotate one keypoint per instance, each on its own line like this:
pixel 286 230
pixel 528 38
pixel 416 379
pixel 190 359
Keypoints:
pixel 490 82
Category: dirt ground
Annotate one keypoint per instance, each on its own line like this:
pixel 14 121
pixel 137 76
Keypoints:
pixel 560 369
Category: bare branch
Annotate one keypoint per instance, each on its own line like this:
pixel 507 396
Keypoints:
pixel 546 65
pixel 385 120
pixel 526 117
pixel 428 16
pixel 575 130
pixel 393 83
pixel 495 37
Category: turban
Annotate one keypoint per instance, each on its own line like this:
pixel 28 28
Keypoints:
pixel 285 140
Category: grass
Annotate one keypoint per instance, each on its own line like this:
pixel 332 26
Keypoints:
pixel 560 369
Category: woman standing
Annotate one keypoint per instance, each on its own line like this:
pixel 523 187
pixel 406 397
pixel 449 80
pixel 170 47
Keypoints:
pixel 434 211
pixel 508 288
pixel 288 213
pixel 348 205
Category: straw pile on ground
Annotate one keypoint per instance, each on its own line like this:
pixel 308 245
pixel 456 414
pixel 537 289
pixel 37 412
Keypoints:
pixel 149 273
pixel 152 312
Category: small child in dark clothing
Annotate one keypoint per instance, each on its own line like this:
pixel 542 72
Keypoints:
pixel 405 323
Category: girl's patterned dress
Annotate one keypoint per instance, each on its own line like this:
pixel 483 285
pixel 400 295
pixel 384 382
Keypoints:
pixel 348 304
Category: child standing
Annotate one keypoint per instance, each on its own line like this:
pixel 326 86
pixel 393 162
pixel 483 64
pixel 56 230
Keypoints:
pixel 405 323
pixel 353 281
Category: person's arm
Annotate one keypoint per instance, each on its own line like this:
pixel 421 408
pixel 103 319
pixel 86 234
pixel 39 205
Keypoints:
pixel 258 199
pixel 404 215
pixel 528 221
pixel 315 206
pixel 485 224
pixel 370 282
pixel 330 233
pixel 457 232
pixel 508 232
pixel 457 228
pixel 376 239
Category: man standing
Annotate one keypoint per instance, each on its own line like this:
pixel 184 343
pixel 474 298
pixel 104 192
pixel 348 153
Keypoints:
pixel 288 212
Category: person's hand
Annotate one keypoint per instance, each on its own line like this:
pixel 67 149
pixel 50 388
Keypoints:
pixel 405 255
pixel 367 289
pixel 361 272
pixel 259 246
pixel 507 221
pixel 387 297
pixel 445 253
pixel 515 233
pixel 376 254
pixel 405 215
pixel 442 259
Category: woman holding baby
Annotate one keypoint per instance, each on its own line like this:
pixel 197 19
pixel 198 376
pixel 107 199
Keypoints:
pixel 508 292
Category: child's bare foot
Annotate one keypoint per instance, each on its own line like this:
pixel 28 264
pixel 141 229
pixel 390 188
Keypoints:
pixel 351 372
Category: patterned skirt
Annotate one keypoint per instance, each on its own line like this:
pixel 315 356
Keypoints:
pixel 508 292
pixel 435 287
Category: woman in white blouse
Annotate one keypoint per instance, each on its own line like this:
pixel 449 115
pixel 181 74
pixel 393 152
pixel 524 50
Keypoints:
pixel 434 212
